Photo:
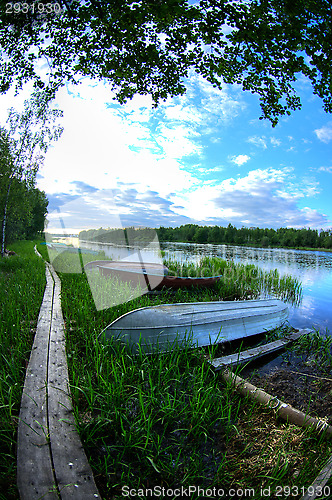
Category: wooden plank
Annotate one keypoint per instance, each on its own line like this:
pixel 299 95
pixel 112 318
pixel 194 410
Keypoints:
pixel 37 253
pixel 257 352
pixel 73 472
pixel 316 490
pixel 35 478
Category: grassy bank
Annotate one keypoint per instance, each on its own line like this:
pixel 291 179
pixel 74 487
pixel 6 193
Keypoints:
pixel 168 421
pixel 163 421
pixel 22 282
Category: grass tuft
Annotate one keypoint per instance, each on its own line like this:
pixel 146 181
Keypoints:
pixel 22 283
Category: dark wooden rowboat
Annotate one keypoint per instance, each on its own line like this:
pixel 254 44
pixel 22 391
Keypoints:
pixel 109 266
pixel 177 282
pixel 151 275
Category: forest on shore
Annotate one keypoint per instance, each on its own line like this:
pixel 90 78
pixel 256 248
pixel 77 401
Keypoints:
pixel 193 233
pixel 26 210
pixel 252 236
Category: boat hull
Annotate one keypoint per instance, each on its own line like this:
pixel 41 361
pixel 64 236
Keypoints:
pixel 147 275
pixel 152 276
pixel 109 266
pixel 177 282
pixel 199 323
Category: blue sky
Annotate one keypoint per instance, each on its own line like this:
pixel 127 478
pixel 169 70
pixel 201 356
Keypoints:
pixel 201 158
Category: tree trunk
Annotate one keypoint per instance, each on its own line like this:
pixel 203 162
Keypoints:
pixel 5 219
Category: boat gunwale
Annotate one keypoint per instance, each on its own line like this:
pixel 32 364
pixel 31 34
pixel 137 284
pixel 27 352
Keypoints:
pixel 106 263
pixel 134 328
pixel 167 276
pixel 182 325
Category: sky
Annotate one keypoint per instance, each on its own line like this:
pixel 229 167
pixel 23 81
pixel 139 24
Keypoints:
pixel 202 158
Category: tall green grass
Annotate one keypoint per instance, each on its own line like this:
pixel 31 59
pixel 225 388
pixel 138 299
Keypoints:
pixel 22 282
pixel 314 350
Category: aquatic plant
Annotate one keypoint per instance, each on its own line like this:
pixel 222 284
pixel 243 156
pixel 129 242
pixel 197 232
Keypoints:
pixel 165 419
pixel 242 281
pixel 315 350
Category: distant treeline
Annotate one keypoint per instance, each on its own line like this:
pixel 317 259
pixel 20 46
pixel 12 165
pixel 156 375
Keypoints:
pixel 193 233
pixel 26 210
pixel 282 237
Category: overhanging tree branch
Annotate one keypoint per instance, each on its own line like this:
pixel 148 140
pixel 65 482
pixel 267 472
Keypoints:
pixel 148 47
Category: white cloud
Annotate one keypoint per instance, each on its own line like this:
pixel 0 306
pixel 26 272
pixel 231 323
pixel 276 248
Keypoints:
pixel 310 187
pixel 258 141
pixel 324 134
pixel 101 146
pixel 260 198
pixel 177 141
pixel 151 164
pixel 325 169
pixel 200 203
pixel 301 188
pixel 240 159
pixel 215 140
pixel 183 113
pixel 218 107
pixel 274 141
pixel 105 144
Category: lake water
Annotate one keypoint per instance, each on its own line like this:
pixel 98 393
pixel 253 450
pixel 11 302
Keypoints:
pixel 313 269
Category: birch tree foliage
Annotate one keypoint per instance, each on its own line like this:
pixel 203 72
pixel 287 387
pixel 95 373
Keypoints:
pixel 24 145
pixel 26 205
pixel 31 132
pixel 150 46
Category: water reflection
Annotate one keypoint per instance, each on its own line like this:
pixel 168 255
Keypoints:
pixel 150 253
pixel 314 269
pixel 269 257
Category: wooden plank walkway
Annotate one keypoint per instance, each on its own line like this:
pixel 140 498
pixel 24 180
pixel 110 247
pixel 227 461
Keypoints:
pixel 51 463
pixel 35 477
pixel 256 352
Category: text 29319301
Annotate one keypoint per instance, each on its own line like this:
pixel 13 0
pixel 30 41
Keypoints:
pixel 33 8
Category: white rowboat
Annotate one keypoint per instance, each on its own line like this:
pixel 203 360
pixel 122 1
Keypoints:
pixel 199 323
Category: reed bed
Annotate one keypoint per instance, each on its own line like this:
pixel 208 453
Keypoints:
pixel 242 281
pixel 22 282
